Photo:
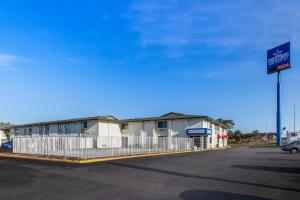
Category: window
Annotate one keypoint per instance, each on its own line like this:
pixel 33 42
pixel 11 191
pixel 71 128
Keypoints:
pixel 162 124
pixel 124 126
pixel 41 129
pixel 47 129
pixel 59 130
pixel 209 125
pixel 67 128
pixel 84 125
pixel 294 134
pixel 217 128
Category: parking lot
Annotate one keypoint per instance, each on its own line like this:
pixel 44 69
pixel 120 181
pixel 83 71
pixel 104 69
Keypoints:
pixel 238 173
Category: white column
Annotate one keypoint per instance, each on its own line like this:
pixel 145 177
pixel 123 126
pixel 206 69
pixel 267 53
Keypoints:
pixel 170 134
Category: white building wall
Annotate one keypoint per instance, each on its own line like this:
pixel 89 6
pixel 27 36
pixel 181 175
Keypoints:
pixel 226 140
pixel 109 129
pixel 142 129
pixel 92 128
pixel 195 123
pixel 96 128
pixel 134 128
pixel 109 135
pixel 214 136
pixel 221 142
pixel 149 126
pixel 179 127
pixel 3 137
pixel 66 128
pixel 176 127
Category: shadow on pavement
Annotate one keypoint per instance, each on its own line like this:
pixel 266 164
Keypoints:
pixel 292 170
pixel 19 176
pixel 17 161
pixel 291 159
pixel 273 152
pixel 216 195
pixel 201 177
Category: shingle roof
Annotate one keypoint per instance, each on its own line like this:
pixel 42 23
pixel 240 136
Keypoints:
pixel 168 116
pixel 173 115
pixel 5 125
pixel 102 118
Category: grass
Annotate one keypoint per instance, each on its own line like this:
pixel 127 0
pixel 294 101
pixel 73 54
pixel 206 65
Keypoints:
pixel 263 145
pixel 254 145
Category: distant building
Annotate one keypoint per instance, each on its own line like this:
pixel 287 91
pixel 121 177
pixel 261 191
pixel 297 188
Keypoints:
pixel 4 130
pixel 207 132
pixel 293 136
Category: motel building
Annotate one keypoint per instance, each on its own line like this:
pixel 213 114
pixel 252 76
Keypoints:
pixel 206 132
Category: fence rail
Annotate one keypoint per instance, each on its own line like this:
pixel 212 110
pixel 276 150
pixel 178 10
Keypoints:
pixel 105 146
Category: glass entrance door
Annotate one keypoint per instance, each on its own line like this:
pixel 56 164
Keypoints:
pixel 197 141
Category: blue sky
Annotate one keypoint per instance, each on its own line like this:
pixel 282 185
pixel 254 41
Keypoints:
pixel 67 59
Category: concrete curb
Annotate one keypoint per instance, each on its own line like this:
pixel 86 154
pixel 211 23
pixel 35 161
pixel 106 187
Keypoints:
pixel 95 160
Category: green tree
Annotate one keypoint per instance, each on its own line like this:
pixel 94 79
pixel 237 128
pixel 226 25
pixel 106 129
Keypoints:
pixel 227 122
pixel 255 133
pixel 236 135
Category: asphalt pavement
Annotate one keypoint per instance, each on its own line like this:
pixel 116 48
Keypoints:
pixel 235 174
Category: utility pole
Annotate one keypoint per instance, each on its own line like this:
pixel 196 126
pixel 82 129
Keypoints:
pixel 267 137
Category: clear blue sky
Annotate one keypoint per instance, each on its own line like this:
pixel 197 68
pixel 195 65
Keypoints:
pixel 67 59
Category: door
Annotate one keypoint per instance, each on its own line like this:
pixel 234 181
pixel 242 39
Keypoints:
pixel 197 141
pixel 162 142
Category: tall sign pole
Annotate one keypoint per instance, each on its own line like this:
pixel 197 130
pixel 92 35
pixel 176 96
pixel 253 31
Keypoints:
pixel 278 121
pixel 278 59
pixel 294 117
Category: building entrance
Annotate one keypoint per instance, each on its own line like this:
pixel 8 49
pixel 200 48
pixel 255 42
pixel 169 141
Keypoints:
pixel 200 141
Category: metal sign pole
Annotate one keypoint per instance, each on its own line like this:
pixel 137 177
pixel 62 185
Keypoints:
pixel 294 117
pixel 278 111
pixel 278 59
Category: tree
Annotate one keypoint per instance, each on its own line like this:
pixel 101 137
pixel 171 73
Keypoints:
pixel 255 133
pixel 227 122
pixel 236 135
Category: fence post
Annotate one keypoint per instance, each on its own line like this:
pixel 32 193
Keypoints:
pixel 85 156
